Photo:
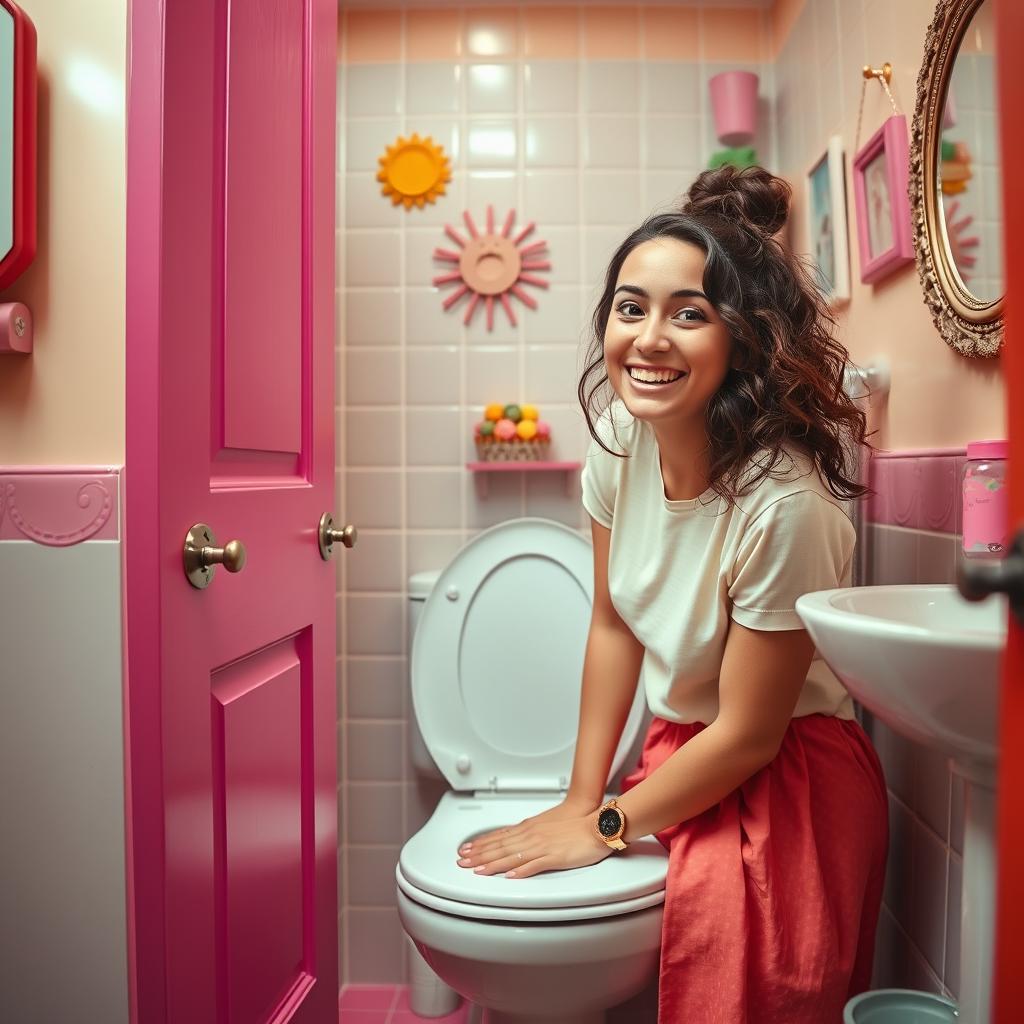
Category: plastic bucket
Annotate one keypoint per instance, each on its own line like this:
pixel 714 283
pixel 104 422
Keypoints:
pixel 899 1006
pixel 734 105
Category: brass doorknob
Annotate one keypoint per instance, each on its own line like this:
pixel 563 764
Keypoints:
pixel 202 556
pixel 328 536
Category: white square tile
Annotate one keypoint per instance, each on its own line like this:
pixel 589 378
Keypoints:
pixel 373 376
pixel 611 197
pixel 611 87
pixel 373 499
pixel 563 252
pixel 434 499
pixel 611 142
pixel 420 266
pixel 551 142
pixel 503 500
pixel 551 373
pixel 598 247
pixel 375 624
pixel 432 376
pixel 433 88
pixel 446 209
pixel 365 141
pixel 443 131
pixel 433 437
pixel 373 89
pixel 376 685
pixel 666 190
pixel 492 375
pixel 372 438
pixel 492 144
pixel 371 258
pixel 499 189
pixel 552 197
pixel 372 317
pixel 672 143
pixel 551 87
pixel 366 207
pixel 375 563
pixel 426 321
pixel 568 432
pixel 671 87
pixel 554 496
pixel 492 88
pixel 558 318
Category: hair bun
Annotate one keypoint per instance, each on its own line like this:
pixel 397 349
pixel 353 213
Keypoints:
pixel 751 195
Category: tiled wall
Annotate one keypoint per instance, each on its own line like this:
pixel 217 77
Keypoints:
pixel 915 537
pixel 582 119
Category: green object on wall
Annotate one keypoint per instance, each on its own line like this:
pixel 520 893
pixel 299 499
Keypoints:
pixel 948 151
pixel 738 156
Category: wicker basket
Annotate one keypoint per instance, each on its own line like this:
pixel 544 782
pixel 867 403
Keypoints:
pixel 513 451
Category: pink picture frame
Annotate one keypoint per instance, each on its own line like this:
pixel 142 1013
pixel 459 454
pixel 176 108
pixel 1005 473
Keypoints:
pixel 880 173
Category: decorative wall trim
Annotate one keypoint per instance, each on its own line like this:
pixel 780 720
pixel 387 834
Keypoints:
pixel 917 488
pixel 58 506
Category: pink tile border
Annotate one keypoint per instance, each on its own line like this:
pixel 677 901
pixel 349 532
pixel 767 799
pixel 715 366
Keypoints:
pixel 59 505
pixel 917 488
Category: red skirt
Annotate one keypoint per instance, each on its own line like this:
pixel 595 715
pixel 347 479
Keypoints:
pixel 773 895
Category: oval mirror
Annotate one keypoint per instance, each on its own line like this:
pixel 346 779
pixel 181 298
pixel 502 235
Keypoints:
pixel 956 179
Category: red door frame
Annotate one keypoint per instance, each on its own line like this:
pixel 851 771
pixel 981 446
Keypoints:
pixel 1009 967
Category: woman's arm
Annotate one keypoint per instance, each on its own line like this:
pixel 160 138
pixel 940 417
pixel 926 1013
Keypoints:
pixel 611 670
pixel 761 678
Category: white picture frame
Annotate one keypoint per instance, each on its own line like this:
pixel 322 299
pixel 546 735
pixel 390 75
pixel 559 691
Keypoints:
pixel 827 233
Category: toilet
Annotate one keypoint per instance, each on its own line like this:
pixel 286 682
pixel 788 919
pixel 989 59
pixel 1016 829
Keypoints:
pixel 498 639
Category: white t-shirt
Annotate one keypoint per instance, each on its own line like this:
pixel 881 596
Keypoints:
pixel 679 570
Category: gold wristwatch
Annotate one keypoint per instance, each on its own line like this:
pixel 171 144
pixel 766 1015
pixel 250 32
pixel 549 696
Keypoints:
pixel 611 824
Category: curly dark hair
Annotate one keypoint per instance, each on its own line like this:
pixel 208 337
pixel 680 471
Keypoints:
pixel 785 386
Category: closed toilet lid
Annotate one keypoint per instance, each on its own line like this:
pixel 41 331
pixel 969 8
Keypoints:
pixel 497 659
pixel 428 870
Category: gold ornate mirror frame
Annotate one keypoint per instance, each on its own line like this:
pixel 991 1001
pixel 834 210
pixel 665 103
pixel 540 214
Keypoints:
pixel 971 326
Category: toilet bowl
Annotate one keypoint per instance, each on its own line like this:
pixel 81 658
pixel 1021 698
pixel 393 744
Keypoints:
pixel 496 664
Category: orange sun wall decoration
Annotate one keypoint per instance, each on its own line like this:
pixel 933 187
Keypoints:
pixel 491 266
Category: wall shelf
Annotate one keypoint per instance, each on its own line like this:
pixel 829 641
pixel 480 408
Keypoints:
pixel 483 469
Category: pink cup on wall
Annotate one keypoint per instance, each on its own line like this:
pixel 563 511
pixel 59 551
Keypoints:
pixel 734 104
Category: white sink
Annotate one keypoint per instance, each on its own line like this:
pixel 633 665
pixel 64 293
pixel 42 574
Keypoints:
pixel 927 663
pixel 920 658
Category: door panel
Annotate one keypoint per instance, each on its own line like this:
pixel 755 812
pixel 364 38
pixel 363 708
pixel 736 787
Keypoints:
pixel 230 423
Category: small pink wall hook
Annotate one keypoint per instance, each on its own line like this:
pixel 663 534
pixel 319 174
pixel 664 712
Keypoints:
pixel 15 328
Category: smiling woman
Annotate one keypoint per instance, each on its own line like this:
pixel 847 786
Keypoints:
pixel 715 485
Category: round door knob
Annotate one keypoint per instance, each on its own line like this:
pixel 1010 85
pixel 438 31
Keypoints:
pixel 328 536
pixel 202 556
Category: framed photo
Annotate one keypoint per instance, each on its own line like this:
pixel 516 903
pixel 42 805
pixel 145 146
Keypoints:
pixel 826 222
pixel 880 172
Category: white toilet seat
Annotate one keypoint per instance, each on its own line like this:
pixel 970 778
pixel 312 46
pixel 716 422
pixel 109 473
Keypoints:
pixel 497 660
pixel 428 873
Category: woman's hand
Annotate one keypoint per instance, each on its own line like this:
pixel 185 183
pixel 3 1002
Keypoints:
pixel 559 838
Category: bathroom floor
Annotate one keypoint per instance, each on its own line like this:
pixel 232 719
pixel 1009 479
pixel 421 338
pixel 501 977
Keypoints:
pixel 386 1004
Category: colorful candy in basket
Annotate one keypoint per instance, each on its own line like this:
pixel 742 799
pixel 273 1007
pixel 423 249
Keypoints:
pixel 512 433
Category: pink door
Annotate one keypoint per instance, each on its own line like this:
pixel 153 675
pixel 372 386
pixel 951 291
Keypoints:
pixel 232 804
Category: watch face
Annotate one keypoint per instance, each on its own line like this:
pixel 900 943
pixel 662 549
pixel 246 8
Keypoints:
pixel 609 822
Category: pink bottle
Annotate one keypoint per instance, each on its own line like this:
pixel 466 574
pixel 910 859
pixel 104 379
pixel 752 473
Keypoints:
pixel 986 526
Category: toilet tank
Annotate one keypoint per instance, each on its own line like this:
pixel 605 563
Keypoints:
pixel 420 586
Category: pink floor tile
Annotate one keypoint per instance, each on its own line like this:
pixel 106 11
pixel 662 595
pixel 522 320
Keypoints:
pixel 368 997
pixel 403 1012
pixel 364 1016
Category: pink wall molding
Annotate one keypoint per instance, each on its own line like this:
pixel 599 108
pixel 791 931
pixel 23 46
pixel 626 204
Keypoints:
pixel 59 506
pixel 917 488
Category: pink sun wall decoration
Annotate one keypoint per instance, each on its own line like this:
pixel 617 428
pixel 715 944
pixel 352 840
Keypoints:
pixel 492 266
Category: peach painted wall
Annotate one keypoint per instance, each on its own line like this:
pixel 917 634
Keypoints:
pixel 64 404
pixel 938 398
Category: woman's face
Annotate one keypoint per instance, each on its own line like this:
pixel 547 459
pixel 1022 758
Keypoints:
pixel 665 349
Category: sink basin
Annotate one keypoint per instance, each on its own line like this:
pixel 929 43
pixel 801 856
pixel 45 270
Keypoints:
pixel 919 657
